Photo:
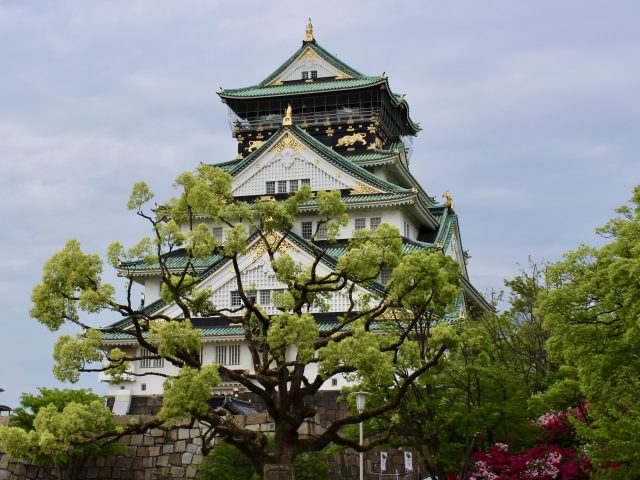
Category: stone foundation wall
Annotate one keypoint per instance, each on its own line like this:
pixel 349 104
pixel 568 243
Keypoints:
pixel 157 454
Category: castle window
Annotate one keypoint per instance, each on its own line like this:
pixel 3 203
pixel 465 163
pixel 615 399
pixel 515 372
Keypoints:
pixel 305 75
pixel 407 229
pixel 385 275
pixel 217 232
pixel 307 230
pixel 374 223
pixel 265 297
pixel 234 355
pixel 154 362
pixel 305 181
pixel 221 354
pixel 236 301
pixel 271 187
pixel 282 186
pixel 293 185
pixel 334 382
pixel 361 223
pixel 322 231
pixel 314 74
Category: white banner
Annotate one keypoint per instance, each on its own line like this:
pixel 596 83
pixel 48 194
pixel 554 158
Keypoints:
pixel 383 462
pixel 408 462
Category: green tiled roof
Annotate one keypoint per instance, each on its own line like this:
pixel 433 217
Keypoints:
pixel 173 261
pixel 354 199
pixel 313 45
pixel 307 87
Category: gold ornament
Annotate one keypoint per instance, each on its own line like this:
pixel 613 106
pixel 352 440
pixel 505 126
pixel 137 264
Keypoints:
pixel 309 33
pixel 349 140
pixel 287 142
pixel 287 120
pixel 362 189
pixel 448 200
pixel 253 144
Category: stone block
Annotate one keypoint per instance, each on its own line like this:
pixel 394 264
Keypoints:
pixel 173 435
pixel 197 460
pixel 186 458
pixel 191 472
pixel 180 446
pixel 168 448
pixel 177 472
pixel 148 462
pixel 4 461
pixel 183 433
pixel 132 451
pixel 197 441
pixel 175 459
pixel 148 441
pixel 136 440
pixel 156 432
pixel 154 451
pixel 191 448
pixel 4 474
pixel 162 461
pixel 194 433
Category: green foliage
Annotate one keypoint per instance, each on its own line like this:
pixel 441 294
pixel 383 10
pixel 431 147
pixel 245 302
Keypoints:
pixel 30 404
pixel 175 338
pixel 72 353
pixel 57 428
pixel 188 393
pixel 592 310
pixel 71 281
pixel 140 195
pixel 290 329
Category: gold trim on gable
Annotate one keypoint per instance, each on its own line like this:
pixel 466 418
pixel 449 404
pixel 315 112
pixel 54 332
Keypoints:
pixel 287 142
pixel 361 189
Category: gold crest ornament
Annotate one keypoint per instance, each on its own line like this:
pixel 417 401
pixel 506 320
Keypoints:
pixel 309 33
pixel 448 200
pixel 349 140
pixel 287 120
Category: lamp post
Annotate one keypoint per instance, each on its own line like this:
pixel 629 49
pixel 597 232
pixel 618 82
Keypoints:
pixel 361 399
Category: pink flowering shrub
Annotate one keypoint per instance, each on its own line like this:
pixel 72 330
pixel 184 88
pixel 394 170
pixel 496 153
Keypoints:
pixel 542 462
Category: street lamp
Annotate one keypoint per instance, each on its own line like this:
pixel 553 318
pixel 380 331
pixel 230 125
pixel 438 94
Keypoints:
pixel 361 400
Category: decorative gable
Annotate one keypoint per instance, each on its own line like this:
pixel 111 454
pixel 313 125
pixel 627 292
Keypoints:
pixel 290 160
pixel 308 66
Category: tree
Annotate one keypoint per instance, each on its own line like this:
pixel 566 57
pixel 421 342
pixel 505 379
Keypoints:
pixel 60 429
pixel 370 342
pixel 593 312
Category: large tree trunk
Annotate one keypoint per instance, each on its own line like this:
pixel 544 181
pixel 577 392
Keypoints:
pixel 278 472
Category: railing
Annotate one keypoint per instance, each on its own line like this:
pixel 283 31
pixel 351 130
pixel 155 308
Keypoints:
pixel 306 119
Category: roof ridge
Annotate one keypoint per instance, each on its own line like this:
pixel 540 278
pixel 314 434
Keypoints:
pixel 315 46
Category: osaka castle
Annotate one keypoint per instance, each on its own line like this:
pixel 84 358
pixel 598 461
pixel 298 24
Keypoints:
pixel 318 122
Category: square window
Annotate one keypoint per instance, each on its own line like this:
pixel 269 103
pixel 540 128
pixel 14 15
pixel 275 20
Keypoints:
pixel 334 382
pixel 293 185
pixel 361 223
pixel 321 233
pixel 271 187
pixel 305 75
pixel 305 181
pixel 307 230
pixel 282 186
pixel 314 74
pixel 236 301
pixel 265 297
pixel 217 232
pixel 374 223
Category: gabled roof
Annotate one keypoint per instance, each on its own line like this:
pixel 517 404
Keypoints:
pixel 295 88
pixel 175 260
pixel 322 53
pixel 321 149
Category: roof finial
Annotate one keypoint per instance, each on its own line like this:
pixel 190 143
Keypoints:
pixel 309 36
pixel 287 120
pixel 448 200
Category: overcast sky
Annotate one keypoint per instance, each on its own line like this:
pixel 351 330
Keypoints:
pixel 530 114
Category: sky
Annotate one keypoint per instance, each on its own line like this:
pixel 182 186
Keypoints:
pixel 530 114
